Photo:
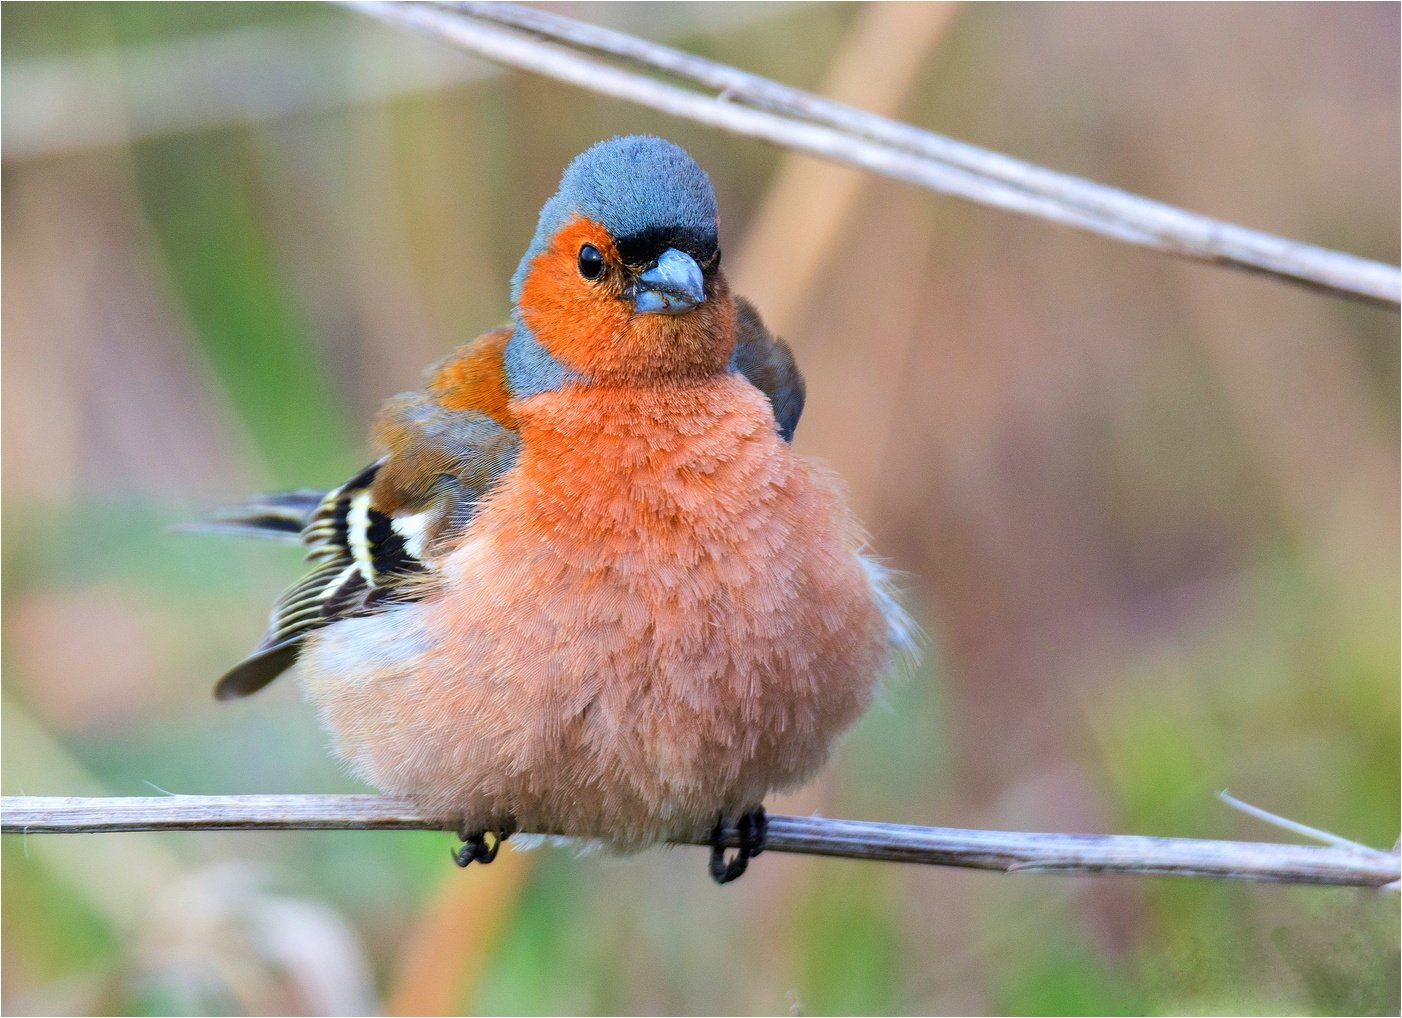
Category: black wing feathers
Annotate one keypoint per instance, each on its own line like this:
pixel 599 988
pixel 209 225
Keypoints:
pixel 768 363
pixel 357 553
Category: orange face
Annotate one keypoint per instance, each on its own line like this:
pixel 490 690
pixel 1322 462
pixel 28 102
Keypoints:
pixel 590 325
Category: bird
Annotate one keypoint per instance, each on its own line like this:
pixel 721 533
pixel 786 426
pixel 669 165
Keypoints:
pixel 587 588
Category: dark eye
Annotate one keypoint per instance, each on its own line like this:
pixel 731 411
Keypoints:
pixel 591 263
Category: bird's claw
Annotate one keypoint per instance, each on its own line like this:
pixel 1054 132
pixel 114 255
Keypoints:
pixel 476 847
pixel 752 830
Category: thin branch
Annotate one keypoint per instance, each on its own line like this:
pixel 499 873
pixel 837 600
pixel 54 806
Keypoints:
pixel 759 108
pixel 1006 851
pixel 1286 824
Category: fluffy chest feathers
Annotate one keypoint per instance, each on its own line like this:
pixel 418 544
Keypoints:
pixel 656 531
pixel 659 613
pixel 641 483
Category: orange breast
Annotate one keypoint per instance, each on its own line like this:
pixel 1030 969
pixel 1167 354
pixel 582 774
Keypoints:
pixel 659 615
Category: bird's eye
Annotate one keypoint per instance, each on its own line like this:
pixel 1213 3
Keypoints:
pixel 591 263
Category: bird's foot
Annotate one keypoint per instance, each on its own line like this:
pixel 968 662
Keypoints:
pixel 480 846
pixel 753 830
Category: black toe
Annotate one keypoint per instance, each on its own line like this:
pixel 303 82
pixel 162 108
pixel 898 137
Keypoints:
pixel 476 847
pixel 752 831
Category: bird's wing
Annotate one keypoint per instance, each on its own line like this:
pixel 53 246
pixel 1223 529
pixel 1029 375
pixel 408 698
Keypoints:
pixel 374 539
pixel 768 363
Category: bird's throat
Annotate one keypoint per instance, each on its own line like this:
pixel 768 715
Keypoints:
pixel 633 455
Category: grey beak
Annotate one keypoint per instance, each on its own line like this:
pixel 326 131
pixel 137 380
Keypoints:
pixel 671 286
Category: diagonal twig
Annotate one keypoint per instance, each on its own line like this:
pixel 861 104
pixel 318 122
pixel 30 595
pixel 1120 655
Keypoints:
pixel 1006 851
pixel 1286 824
pixel 756 107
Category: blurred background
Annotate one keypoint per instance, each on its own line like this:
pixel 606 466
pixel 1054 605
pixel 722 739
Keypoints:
pixel 1147 512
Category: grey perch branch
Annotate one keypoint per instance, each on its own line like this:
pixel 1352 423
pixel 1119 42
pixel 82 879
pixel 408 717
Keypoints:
pixel 1009 852
pixel 756 107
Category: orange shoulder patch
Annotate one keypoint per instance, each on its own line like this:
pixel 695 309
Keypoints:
pixel 473 377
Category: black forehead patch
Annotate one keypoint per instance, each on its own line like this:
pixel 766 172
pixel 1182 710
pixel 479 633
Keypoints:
pixel 645 246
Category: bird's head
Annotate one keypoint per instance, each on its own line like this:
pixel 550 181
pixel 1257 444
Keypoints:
pixel 622 280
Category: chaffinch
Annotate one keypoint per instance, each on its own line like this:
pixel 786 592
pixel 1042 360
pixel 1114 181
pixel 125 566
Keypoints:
pixel 587 589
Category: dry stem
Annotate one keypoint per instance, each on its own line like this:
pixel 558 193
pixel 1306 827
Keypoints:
pixel 1006 851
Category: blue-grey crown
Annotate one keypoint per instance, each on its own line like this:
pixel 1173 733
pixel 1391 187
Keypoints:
pixel 641 188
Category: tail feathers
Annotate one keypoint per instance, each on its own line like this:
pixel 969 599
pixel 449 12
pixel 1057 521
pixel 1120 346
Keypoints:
pixel 282 515
pixel 257 670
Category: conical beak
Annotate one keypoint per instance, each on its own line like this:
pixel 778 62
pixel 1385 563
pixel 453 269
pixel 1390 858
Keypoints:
pixel 670 286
